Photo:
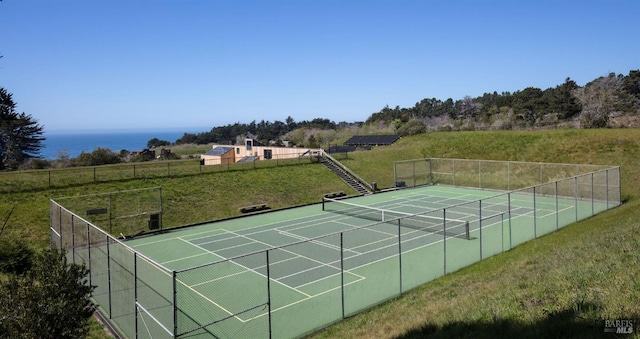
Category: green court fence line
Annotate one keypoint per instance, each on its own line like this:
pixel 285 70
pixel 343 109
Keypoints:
pixel 292 281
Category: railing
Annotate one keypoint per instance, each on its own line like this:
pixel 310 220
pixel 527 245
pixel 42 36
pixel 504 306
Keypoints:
pixel 349 172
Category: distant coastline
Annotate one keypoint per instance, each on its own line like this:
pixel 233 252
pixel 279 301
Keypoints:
pixel 75 142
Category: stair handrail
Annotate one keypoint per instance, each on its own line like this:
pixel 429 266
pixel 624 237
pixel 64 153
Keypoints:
pixel 348 171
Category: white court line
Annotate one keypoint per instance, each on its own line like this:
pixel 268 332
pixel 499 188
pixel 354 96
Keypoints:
pixel 198 293
pixel 228 247
pixel 350 272
pixel 183 258
pixel 265 229
pixel 360 278
pixel 251 269
pixel 313 241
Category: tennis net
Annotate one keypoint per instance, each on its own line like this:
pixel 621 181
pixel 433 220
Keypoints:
pixel 445 226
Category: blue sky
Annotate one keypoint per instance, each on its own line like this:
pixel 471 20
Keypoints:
pixel 195 64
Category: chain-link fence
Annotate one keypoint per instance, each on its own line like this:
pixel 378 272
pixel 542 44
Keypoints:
pixel 122 213
pixel 293 289
pixel 33 180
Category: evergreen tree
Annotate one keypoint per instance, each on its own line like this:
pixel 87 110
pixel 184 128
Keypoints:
pixel 20 134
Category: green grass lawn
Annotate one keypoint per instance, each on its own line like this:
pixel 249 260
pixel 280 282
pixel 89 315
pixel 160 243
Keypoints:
pixel 562 285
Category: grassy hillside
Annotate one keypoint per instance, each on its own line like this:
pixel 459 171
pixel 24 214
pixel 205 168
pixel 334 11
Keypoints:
pixel 564 284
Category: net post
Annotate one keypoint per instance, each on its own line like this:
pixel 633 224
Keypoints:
pixel 323 200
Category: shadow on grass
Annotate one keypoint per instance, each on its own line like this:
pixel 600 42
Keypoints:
pixel 568 323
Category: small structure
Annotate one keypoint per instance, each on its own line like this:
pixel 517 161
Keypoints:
pixel 252 150
pixel 144 154
pixel 219 155
pixel 165 153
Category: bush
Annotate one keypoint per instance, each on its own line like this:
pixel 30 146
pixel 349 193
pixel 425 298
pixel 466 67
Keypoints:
pixel 15 256
pixel 50 301
pixel 412 127
pixel 100 156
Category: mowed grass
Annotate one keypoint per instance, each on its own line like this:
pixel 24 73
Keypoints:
pixel 562 285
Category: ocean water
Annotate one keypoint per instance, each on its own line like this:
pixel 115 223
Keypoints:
pixel 75 143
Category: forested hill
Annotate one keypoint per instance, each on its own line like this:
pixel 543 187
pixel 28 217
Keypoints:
pixel 608 101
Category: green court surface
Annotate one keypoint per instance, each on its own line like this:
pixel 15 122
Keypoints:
pixel 287 273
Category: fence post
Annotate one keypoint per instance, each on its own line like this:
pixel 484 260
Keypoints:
pixel 109 275
pixel 342 270
pixel 175 305
pixel 89 253
pixel 269 293
pixel 60 227
pixel 575 198
pixel 606 172
pixel 413 175
pixel 94 174
pixel 73 239
pixel 557 208
pixel 400 256
pixel 480 225
pixel 592 203
pixel 480 180
pixel 135 291
pixel 509 185
pixel 509 211
pixel 541 166
pixel 444 239
pixel 110 211
pixel 454 172
pixel 535 220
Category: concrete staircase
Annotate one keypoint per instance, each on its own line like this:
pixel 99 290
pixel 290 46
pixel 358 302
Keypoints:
pixel 345 174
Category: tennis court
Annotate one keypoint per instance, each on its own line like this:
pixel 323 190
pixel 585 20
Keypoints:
pixel 316 257
pixel 287 273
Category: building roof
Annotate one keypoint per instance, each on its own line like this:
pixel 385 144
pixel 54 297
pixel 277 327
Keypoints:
pixel 219 150
pixel 341 149
pixel 248 159
pixel 371 140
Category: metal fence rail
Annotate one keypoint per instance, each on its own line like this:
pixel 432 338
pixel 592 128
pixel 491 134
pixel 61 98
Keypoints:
pixel 146 300
pixel 21 181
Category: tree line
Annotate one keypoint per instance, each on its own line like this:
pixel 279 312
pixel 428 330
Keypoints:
pixel 608 101
pixel 263 131
pixel 595 105
pixel 591 106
